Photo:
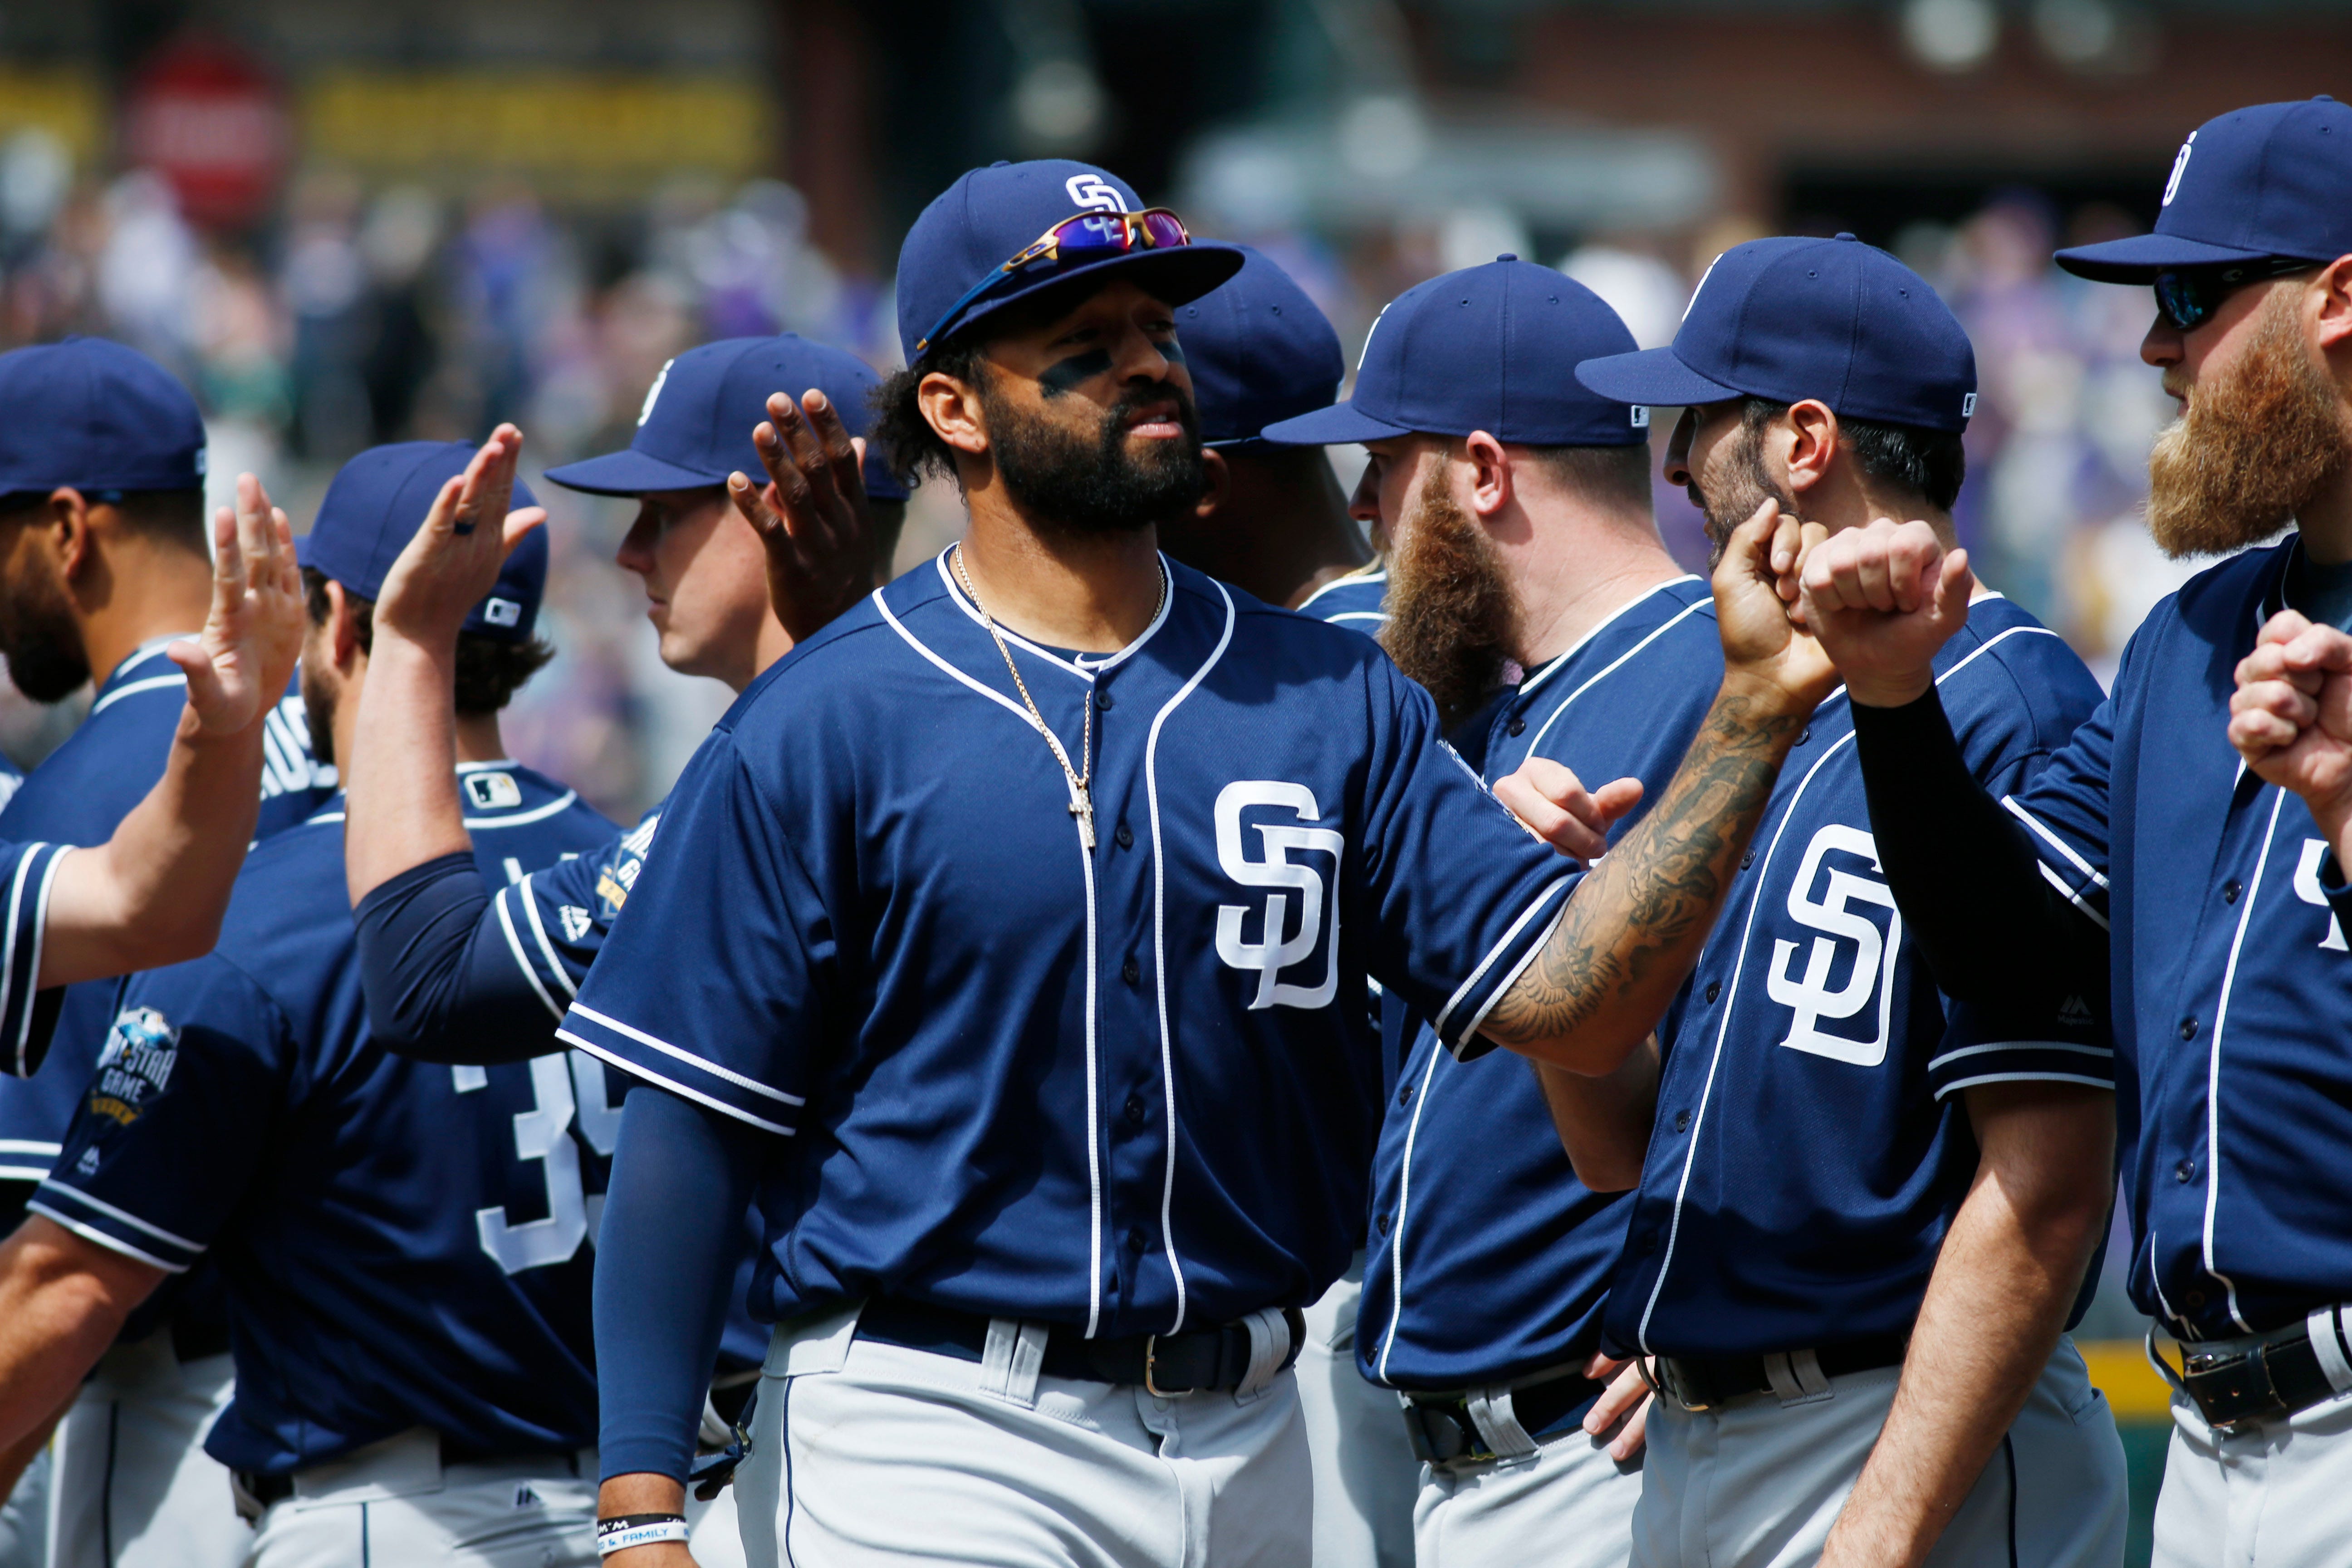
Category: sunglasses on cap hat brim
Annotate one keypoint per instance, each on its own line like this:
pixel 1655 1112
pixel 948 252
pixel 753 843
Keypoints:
pixel 1078 241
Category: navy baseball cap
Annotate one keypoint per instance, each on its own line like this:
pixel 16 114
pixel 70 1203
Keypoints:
pixel 696 425
pixel 1488 348
pixel 990 216
pixel 1260 351
pixel 97 416
pixel 2274 180
pixel 375 506
pixel 1791 319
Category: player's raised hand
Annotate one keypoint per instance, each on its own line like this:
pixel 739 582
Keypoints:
pixel 1883 600
pixel 453 559
pixel 1552 803
pixel 811 515
pixel 1753 585
pixel 2290 717
pixel 237 667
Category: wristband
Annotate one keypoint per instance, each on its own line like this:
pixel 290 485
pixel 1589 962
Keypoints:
pixel 639 1530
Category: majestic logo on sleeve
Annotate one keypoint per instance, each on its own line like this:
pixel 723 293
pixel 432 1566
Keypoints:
pixel 1286 937
pixel 2306 887
pixel 1852 962
pixel 134 1066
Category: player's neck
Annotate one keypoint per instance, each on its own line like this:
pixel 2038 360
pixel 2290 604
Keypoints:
pixel 1571 574
pixel 478 740
pixel 1094 594
pixel 140 591
pixel 1285 531
pixel 2326 520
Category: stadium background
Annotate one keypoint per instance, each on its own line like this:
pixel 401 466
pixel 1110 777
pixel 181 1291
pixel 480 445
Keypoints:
pixel 351 221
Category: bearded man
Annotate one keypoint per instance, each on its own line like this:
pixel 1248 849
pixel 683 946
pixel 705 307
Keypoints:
pixel 1531 593
pixel 2199 887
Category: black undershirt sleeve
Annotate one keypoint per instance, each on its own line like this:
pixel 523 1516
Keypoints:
pixel 1993 930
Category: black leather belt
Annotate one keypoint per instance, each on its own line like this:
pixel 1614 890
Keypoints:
pixel 1215 1359
pixel 1442 1431
pixel 2264 1377
pixel 1704 1382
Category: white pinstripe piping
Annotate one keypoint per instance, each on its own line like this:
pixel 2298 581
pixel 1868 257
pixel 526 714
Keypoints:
pixel 516 819
pixel 638 1069
pixel 152 683
pixel 2069 894
pixel 1159 947
pixel 1404 1197
pixel 713 1068
pixel 1087 864
pixel 125 1216
pixel 1087 669
pixel 31 1146
pixel 1661 629
pixel 2214 1062
pixel 1740 968
pixel 1534 907
pixel 522 959
pixel 9 948
pixel 2020 1046
pixel 33 970
pixel 539 930
pixel 1346 580
pixel 1958 1084
pixel 111 1243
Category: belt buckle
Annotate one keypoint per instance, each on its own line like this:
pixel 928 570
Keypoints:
pixel 1152 1370
pixel 1664 1384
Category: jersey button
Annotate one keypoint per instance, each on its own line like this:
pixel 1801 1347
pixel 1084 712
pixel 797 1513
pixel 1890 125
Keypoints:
pixel 1135 1240
pixel 2194 1298
pixel 1681 1120
pixel 1135 1109
pixel 1748 860
pixel 1130 971
pixel 1517 725
pixel 1103 701
pixel 2185 1172
pixel 1805 735
pixel 1124 837
pixel 1404 1095
pixel 2187 1029
pixel 1714 989
pixel 1382 1221
pixel 2230 889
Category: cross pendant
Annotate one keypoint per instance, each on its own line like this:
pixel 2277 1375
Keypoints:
pixel 1083 808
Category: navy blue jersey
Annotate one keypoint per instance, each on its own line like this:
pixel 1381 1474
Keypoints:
pixel 2231 990
pixel 1358 600
pixel 78 794
pixel 12 778
pixel 1490 1259
pixel 27 871
pixel 401 1243
pixel 1808 1157
pixel 1127 1088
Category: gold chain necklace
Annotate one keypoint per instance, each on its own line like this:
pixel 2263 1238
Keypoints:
pixel 1081 779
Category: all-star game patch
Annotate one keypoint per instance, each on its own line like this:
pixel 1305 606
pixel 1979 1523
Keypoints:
pixel 136 1065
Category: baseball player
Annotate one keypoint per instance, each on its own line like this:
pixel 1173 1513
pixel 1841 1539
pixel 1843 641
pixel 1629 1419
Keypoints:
pixel 414 1372
pixel 1524 557
pixel 101 465
pixel 1864 1218
pixel 1006 939
pixel 1275 524
pixel 457 968
pixel 2216 880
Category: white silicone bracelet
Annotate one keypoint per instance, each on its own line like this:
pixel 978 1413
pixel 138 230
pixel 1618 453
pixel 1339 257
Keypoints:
pixel 652 1534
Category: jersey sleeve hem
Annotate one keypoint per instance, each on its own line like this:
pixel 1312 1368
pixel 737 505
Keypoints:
pixel 522 957
pixel 117 1230
pixel 21 1023
pixel 2021 1061
pixel 681 1072
pixel 1500 969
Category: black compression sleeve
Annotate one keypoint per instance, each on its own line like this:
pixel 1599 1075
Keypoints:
pixel 441 985
pixel 1963 871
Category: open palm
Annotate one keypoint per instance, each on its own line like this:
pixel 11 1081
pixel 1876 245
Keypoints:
pixel 239 664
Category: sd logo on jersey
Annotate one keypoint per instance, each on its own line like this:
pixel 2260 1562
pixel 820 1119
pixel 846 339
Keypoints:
pixel 1853 950
pixel 135 1065
pixel 1281 944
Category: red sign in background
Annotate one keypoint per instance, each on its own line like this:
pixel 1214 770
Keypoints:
pixel 208 118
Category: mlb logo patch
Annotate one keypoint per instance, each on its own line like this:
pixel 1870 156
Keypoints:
pixel 1967 405
pixel 1640 417
pixel 501 613
pixel 492 791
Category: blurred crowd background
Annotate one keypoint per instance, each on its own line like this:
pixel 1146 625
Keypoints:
pixel 353 221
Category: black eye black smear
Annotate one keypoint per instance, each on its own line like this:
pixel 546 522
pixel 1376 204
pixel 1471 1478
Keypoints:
pixel 1072 372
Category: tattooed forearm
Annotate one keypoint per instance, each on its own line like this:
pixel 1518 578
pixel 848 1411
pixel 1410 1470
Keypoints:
pixel 1634 927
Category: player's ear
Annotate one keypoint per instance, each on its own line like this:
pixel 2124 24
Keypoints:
pixel 342 626
pixel 951 407
pixel 1491 480
pixel 1808 435
pixel 2333 325
pixel 1220 476
pixel 65 525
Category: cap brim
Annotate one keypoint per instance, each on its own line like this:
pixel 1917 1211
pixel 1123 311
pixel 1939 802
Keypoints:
pixel 1654 377
pixel 1334 427
pixel 630 473
pixel 1176 276
pixel 2139 259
